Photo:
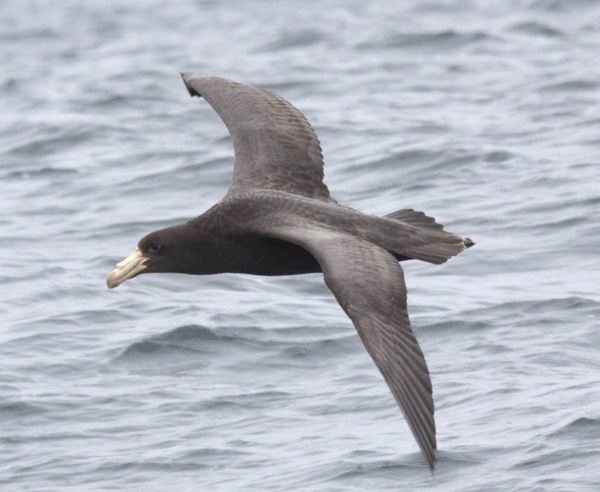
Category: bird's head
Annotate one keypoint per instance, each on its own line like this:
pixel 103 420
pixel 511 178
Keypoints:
pixel 165 250
pixel 148 256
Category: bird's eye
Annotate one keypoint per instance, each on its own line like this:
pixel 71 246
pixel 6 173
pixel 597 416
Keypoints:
pixel 154 248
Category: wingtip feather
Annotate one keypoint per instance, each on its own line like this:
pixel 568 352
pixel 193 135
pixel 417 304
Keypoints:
pixel 187 77
pixel 432 461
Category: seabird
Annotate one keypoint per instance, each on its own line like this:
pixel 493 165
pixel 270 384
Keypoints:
pixel 277 218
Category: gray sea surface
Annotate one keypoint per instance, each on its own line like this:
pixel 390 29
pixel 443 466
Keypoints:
pixel 486 115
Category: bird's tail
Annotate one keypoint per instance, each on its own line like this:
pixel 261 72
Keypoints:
pixel 432 243
pixel 416 218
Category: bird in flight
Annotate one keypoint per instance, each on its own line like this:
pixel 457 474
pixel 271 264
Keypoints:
pixel 277 218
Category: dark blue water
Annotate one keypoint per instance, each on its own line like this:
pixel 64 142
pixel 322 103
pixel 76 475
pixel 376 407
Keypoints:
pixel 484 115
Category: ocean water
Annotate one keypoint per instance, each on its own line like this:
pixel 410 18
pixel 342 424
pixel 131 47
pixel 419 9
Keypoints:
pixel 484 114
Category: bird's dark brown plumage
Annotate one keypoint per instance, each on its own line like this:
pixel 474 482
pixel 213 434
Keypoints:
pixel 278 218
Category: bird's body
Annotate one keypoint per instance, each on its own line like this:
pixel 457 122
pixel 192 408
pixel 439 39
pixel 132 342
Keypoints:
pixel 278 218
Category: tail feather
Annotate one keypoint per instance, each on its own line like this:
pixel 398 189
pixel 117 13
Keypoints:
pixel 434 244
pixel 438 248
pixel 415 218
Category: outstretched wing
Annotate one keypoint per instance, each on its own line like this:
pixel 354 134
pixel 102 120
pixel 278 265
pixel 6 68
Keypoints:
pixel 368 283
pixel 275 146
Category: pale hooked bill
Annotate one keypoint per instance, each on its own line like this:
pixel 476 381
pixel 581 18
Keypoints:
pixel 127 268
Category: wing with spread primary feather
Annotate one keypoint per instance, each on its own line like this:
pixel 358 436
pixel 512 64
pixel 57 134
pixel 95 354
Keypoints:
pixel 368 283
pixel 275 146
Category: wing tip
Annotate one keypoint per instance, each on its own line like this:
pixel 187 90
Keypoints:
pixel 187 78
pixel 432 461
pixel 428 449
